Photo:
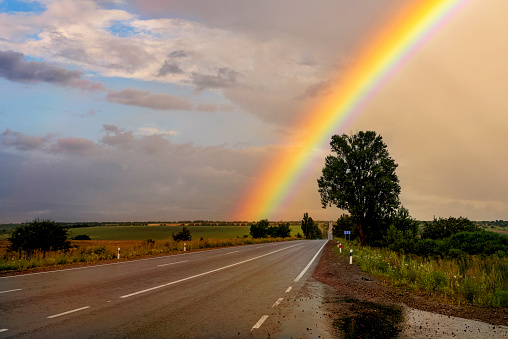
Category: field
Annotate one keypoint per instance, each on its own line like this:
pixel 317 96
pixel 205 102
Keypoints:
pixel 165 232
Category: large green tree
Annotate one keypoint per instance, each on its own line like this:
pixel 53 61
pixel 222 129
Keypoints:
pixel 361 179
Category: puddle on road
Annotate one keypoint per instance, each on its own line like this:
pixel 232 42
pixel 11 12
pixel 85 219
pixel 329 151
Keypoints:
pixel 320 311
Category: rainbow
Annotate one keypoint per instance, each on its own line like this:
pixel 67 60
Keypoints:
pixel 381 57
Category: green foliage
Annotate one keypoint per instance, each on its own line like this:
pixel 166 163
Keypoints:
pixel 446 227
pixel 480 242
pixel 39 235
pixel 310 228
pixel 361 179
pixel 81 237
pixel 344 223
pixel 282 230
pixel 260 229
pixel 183 235
pixel 478 280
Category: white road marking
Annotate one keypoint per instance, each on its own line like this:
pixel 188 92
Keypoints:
pixel 275 304
pixel 310 263
pixel 260 322
pixel 172 263
pixel 3 329
pixel 233 252
pixel 68 312
pixel 204 273
pixel 289 289
pixel 17 289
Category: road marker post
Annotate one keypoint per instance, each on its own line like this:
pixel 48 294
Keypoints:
pixel 184 246
pixel 350 257
pixel 118 254
pixel 340 247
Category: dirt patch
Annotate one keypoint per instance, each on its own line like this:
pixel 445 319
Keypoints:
pixel 351 283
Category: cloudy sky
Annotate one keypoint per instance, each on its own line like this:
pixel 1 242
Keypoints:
pixel 168 110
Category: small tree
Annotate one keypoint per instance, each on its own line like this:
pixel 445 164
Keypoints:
pixel 310 228
pixel 281 230
pixel 184 235
pixel 39 235
pixel 260 229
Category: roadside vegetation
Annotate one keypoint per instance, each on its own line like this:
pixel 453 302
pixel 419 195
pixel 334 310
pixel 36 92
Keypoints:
pixel 468 279
pixel 45 243
pixel 453 259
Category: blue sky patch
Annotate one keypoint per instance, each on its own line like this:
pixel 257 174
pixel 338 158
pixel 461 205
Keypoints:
pixel 8 6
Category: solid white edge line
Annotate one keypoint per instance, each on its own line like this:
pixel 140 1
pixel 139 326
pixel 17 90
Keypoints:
pixel 310 263
pixel 172 263
pixel 3 329
pixel 17 289
pixel 204 273
pixel 260 322
pixel 289 289
pixel 277 302
pixel 68 312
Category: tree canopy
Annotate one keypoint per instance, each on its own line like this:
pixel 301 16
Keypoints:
pixel 360 178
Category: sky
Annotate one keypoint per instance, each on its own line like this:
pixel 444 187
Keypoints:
pixel 141 110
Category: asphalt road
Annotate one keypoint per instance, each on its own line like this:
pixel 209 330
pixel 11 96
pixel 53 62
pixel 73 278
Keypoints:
pixel 223 293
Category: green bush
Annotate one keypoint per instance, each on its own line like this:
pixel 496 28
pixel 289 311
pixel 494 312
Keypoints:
pixel 183 235
pixel 446 227
pixel 39 235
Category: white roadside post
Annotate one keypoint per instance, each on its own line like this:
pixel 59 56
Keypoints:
pixel 118 254
pixel 350 256
pixel 340 247
pixel 184 246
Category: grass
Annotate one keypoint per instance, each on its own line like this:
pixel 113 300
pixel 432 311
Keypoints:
pixel 480 281
pixel 93 251
pixel 164 232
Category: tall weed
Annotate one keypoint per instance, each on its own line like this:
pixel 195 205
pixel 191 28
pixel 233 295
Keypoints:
pixel 481 281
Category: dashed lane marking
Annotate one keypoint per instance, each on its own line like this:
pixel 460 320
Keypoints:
pixel 260 322
pixel 275 304
pixel 68 312
pixel 289 289
pixel 204 273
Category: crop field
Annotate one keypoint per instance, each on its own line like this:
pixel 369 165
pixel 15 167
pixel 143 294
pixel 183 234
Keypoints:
pixel 164 232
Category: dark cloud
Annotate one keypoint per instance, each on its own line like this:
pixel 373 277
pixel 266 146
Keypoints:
pixel 73 146
pixel 118 137
pixel 169 68
pixel 225 77
pixel 134 97
pixel 14 67
pixel 156 178
pixel 22 142
pixel 178 54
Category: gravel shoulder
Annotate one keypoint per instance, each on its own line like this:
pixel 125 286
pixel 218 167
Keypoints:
pixel 350 282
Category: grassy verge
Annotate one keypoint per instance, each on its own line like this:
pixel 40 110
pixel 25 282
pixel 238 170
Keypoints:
pixel 87 252
pixel 481 281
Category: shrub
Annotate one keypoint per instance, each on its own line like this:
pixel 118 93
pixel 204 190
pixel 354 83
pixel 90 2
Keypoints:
pixel 81 237
pixel 39 235
pixel 184 235
pixel 444 228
